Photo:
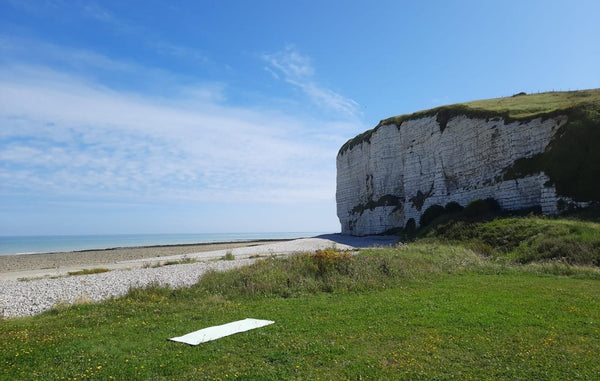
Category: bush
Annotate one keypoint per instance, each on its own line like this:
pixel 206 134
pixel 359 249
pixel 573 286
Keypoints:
pixel 475 208
pixel 331 260
pixel 453 207
pixel 566 248
pixel 433 212
pixel 493 205
pixel 524 239
pixel 481 208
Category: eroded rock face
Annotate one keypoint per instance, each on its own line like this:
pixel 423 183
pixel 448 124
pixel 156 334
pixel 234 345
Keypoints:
pixel 400 170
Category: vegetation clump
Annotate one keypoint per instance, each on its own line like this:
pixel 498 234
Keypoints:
pixel 571 160
pixel 326 270
pixel 183 261
pixel 430 214
pixel 98 270
pixel 419 199
pixel 385 200
pixel 482 208
pixel 453 207
pixel 228 256
pixel 475 210
pixel 522 239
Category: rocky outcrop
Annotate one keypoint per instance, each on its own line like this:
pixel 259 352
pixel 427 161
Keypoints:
pixel 393 173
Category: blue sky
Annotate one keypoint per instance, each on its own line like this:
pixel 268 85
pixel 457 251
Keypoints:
pixel 226 116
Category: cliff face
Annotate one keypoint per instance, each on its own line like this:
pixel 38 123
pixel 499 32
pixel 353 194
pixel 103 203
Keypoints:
pixel 396 171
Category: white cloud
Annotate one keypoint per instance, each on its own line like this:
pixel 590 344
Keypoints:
pixel 78 145
pixel 298 71
pixel 291 63
pixel 71 137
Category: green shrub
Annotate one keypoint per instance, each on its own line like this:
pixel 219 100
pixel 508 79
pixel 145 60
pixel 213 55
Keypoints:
pixel 453 207
pixel 524 239
pixel 89 271
pixel 185 260
pixel 430 214
pixel 482 208
pixel 569 250
pixel 331 260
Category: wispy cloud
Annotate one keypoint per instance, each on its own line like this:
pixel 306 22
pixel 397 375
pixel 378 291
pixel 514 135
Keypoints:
pixel 79 128
pixel 53 61
pixel 297 70
pixel 291 63
pixel 65 135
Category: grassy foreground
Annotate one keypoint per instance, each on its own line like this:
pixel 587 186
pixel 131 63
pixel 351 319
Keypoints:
pixel 419 311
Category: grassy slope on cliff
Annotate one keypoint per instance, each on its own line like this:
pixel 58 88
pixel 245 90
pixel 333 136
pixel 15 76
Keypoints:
pixel 518 107
pixel 521 239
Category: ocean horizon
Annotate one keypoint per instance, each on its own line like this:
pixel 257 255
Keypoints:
pixel 14 245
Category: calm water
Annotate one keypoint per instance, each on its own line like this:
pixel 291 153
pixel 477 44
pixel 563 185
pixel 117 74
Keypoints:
pixel 47 244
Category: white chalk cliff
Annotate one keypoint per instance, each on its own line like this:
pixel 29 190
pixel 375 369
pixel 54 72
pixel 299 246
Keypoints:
pixel 396 171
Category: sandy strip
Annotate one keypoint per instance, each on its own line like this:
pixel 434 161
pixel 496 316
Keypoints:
pixel 26 262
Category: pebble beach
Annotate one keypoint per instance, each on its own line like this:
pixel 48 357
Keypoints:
pixel 33 283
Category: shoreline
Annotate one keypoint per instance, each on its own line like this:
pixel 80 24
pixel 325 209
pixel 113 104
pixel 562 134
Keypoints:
pixel 46 244
pixel 30 292
pixel 167 245
pixel 59 259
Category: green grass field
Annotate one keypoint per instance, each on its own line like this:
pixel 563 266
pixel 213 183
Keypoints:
pixel 426 310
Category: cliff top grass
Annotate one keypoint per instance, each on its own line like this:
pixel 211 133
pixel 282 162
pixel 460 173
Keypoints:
pixel 519 107
pixel 533 105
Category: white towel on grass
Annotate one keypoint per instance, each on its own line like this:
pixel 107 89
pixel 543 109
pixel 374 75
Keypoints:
pixel 218 331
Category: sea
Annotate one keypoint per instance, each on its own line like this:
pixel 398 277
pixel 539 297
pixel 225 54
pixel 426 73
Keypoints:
pixel 11 245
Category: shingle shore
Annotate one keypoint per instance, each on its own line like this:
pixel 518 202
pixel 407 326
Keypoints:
pixel 26 298
pixel 31 297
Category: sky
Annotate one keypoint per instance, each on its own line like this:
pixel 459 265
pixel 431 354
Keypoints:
pixel 227 116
